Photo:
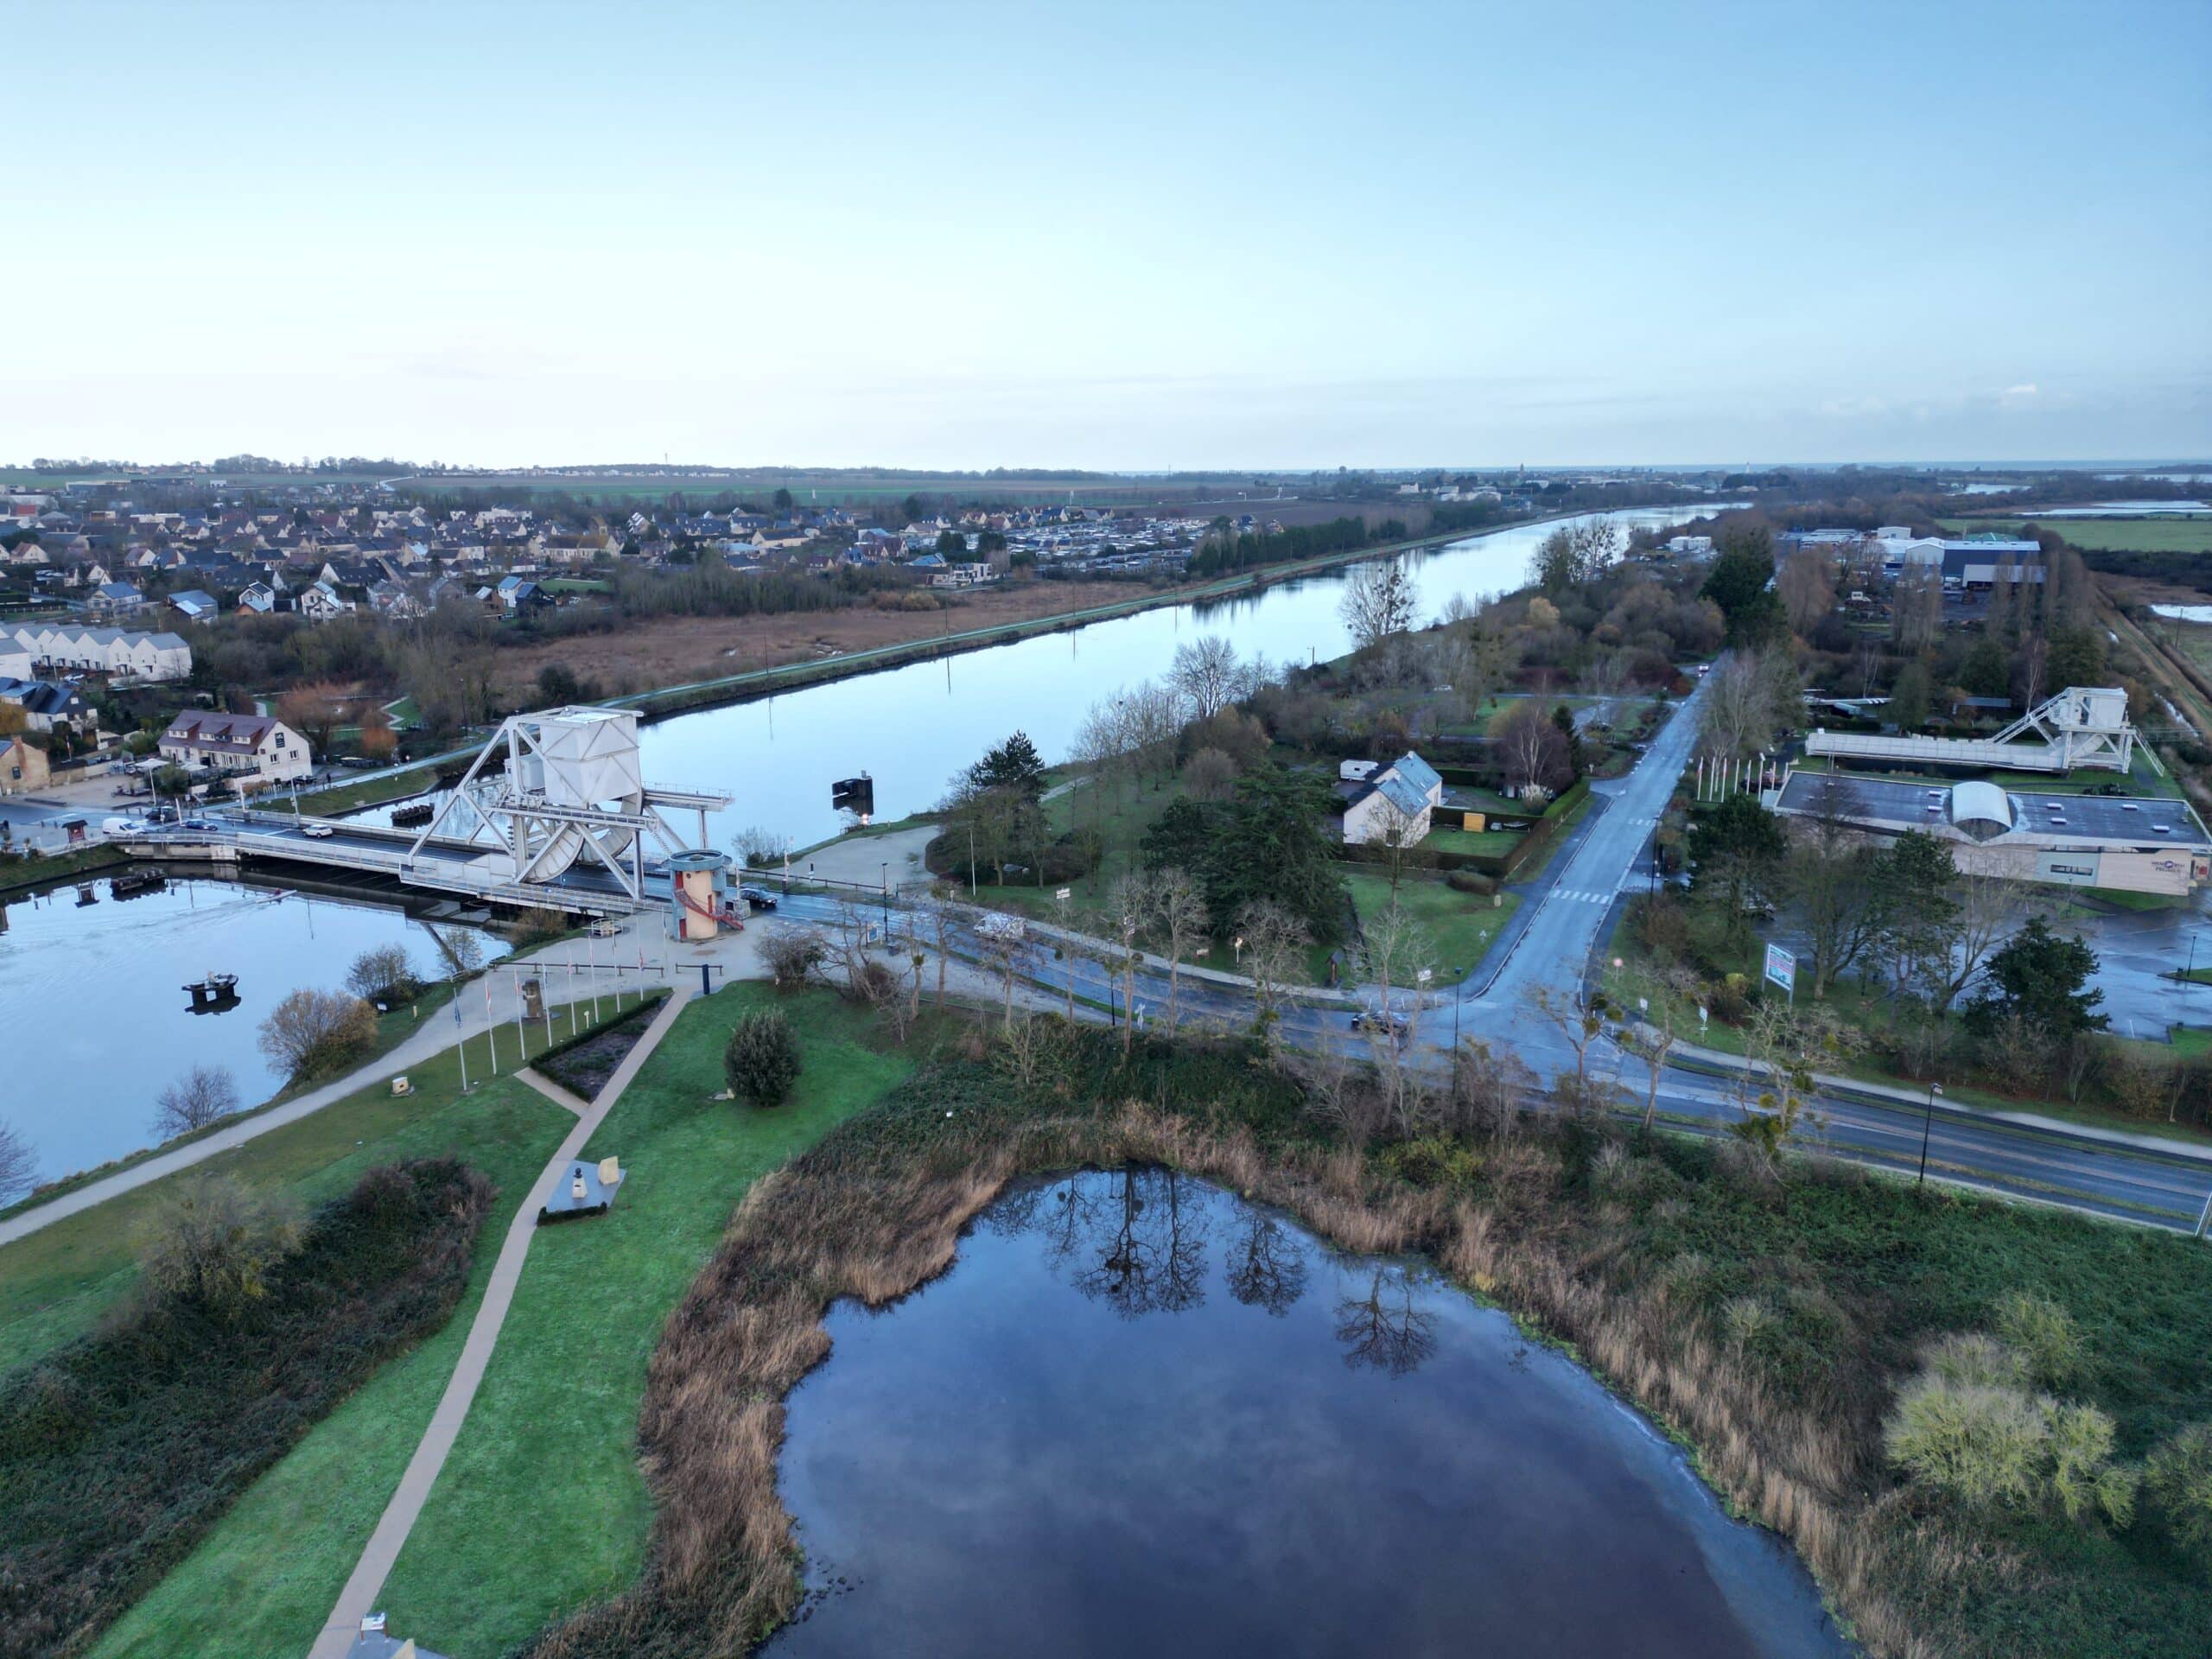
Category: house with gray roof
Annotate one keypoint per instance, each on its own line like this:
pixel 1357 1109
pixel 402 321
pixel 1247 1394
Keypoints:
pixel 1389 803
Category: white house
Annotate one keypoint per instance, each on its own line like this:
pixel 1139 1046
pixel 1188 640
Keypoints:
pixel 268 749
pixel 321 602
pixel 70 646
pixel 1392 802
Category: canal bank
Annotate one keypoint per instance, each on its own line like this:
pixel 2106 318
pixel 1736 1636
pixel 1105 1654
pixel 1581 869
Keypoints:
pixel 664 703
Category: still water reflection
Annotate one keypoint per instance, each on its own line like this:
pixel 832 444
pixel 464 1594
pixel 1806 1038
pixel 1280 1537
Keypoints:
pixel 1142 1417
pixel 913 728
pixel 94 1020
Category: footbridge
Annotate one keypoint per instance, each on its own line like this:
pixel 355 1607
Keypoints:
pixel 553 812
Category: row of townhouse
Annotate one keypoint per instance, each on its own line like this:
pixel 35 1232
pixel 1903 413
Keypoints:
pixel 249 748
pixel 74 647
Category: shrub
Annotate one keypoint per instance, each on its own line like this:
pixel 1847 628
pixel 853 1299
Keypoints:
pixel 2043 1335
pixel 383 974
pixel 1981 1444
pixel 1075 853
pixel 1473 881
pixel 2083 1477
pixel 1972 1360
pixel 2177 1478
pixel 120 1450
pixel 311 1032
pixel 762 1060
pixel 794 958
pixel 214 1243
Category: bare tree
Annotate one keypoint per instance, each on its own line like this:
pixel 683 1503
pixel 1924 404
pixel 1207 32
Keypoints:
pixel 1396 951
pixel 1378 602
pixel 382 971
pixel 1990 910
pixel 1210 775
pixel 1130 903
pixel 1660 1027
pixel 1575 1019
pixel 1272 943
pixel 758 846
pixel 1487 1089
pixel 1736 713
pixel 1806 584
pixel 1916 606
pixel 461 948
pixel 311 1031
pixel 200 1096
pixel 1832 872
pixel 1205 675
pixel 18 1165
pixel 1179 921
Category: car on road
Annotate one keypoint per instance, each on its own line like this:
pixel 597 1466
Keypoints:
pixel 359 762
pixel 196 823
pixel 758 897
pixel 317 831
pixel 1387 1022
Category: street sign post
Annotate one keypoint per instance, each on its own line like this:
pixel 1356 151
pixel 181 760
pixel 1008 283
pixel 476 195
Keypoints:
pixel 1782 969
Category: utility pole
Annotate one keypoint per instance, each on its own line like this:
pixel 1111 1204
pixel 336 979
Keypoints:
pixel 1927 1128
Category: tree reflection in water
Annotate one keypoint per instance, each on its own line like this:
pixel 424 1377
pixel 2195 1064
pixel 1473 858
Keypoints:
pixel 1136 1240
pixel 1383 1329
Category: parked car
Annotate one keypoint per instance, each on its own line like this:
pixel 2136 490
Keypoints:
pixel 1388 1021
pixel 359 762
pixel 758 897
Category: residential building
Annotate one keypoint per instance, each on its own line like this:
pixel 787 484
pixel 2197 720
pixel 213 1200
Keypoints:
pixel 1386 802
pixel 49 703
pixel 267 749
pixel 114 598
pixel 70 646
pixel 22 767
pixel 194 605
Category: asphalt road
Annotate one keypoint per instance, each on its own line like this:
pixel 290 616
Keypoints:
pixel 1561 921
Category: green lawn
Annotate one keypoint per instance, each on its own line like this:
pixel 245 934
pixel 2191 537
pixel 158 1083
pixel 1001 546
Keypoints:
pixel 54 1282
pixel 497 1552
pixel 1494 843
pixel 1458 926
pixel 264 1579
pixel 2191 534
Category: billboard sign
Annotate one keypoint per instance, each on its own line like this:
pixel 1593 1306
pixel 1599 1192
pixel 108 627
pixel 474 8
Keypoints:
pixel 1782 968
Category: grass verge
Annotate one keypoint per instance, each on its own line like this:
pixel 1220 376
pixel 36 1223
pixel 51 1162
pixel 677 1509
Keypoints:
pixel 501 1549
pixel 1765 1322
pixel 56 1282
pixel 262 1581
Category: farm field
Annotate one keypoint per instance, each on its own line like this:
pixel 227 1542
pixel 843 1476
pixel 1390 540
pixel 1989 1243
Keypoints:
pixel 2176 535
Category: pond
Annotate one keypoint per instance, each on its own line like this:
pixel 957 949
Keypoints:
pixel 1140 1416
pixel 94 1013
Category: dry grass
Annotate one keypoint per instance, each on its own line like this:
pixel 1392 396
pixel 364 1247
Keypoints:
pixel 877 1211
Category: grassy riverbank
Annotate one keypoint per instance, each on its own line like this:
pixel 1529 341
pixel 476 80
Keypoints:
pixel 1767 1322
pixel 491 1561
pixel 56 1282
pixel 692 697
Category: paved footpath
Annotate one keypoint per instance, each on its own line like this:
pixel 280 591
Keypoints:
pixel 574 970
pixel 359 1596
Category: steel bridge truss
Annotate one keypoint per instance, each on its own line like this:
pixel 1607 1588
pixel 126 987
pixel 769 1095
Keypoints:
pixel 515 806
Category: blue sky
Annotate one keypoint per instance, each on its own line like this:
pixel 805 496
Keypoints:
pixel 1127 236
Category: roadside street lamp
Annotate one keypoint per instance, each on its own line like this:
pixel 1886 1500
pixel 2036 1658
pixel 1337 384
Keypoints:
pixel 1239 943
pixel 1926 1128
pixel 1459 996
pixel 885 867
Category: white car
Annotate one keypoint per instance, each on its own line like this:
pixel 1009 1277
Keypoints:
pixel 317 831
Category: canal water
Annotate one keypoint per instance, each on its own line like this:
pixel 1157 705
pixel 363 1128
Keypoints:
pixel 1141 1417
pixel 89 1003
pixel 94 1019
pixel 911 728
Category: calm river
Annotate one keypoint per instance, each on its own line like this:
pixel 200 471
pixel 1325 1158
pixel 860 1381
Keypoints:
pixel 1140 1417
pixel 911 728
pixel 95 1018
pixel 90 1007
